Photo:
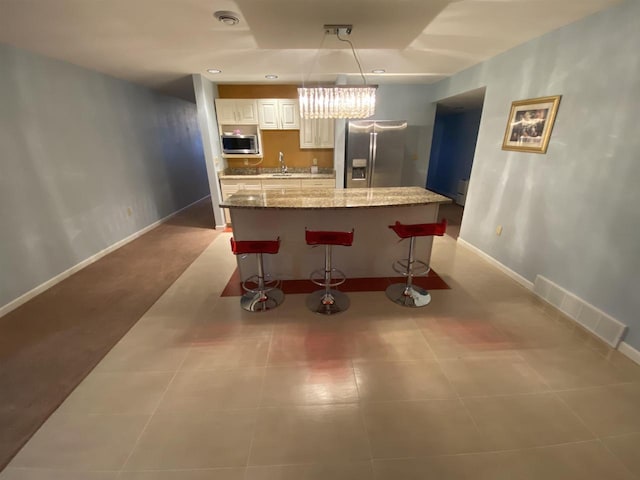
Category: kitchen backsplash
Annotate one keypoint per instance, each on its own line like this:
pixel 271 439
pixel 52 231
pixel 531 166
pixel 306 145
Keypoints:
pixel 258 171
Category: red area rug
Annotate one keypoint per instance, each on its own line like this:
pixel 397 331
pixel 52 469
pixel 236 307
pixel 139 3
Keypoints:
pixel 429 282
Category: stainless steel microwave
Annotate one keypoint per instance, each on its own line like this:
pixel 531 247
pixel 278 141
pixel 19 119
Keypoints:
pixel 240 144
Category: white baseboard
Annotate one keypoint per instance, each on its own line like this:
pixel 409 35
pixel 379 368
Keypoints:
pixel 599 323
pixel 630 352
pixel 12 305
pixel 593 319
pixel 516 276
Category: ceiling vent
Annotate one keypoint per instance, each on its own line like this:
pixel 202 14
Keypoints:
pixel 228 18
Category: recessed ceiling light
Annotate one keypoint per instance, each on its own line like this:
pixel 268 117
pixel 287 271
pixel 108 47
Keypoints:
pixel 271 76
pixel 214 70
pixel 228 18
pixel 378 70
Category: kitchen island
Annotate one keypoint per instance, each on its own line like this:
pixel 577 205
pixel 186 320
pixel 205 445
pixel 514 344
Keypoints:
pixel 273 179
pixel 369 211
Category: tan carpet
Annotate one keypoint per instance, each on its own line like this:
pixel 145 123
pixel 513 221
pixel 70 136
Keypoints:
pixel 49 344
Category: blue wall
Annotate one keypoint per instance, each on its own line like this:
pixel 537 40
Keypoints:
pixel 452 150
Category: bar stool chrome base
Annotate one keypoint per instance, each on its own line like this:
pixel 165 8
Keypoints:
pixel 261 291
pixel 408 295
pixel 328 302
pixel 265 296
pixel 262 301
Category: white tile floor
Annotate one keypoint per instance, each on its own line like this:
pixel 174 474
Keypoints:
pixel 484 383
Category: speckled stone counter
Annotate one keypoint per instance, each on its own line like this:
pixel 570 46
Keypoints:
pixel 334 198
pixel 369 212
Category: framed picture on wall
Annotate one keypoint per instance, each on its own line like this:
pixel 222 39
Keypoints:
pixel 530 124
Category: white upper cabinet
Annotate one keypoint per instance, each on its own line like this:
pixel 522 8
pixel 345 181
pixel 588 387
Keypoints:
pixel 290 114
pixel 307 133
pixel 278 114
pixel 230 111
pixel 316 133
pixel 325 128
pixel 268 114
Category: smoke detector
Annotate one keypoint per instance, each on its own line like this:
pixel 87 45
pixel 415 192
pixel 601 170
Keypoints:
pixel 228 18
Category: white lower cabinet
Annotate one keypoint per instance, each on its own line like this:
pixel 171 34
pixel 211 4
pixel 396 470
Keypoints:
pixel 280 183
pixel 317 183
pixel 231 186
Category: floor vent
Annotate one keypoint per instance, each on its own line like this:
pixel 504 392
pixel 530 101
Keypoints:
pixel 596 321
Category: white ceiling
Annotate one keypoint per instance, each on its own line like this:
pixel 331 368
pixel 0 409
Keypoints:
pixel 159 43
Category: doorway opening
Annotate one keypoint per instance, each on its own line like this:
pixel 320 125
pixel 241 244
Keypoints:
pixel 455 133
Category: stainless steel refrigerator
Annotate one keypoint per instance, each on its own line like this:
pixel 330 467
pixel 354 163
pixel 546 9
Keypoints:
pixel 374 153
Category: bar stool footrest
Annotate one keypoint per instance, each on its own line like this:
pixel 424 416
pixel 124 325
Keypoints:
pixel 269 284
pixel 317 277
pixel 420 268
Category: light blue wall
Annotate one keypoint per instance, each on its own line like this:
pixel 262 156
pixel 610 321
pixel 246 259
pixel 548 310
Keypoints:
pixel 573 214
pixel 77 149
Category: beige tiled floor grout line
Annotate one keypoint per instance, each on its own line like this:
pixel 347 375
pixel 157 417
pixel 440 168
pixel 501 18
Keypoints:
pixel 260 398
pixel 596 436
pixel 453 389
pixel 155 410
pixel 548 391
pixel 435 359
pixel 361 416
pixel 175 373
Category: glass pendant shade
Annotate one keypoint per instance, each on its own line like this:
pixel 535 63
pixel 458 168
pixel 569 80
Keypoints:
pixel 338 101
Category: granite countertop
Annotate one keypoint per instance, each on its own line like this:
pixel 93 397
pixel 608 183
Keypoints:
pixel 315 198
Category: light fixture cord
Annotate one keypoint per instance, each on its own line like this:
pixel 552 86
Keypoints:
pixel 354 55
pixel 315 59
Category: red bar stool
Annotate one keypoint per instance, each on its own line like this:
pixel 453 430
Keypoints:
pixel 266 295
pixel 407 294
pixel 328 301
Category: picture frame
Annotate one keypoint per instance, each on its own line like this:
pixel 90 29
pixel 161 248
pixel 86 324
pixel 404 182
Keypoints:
pixel 530 124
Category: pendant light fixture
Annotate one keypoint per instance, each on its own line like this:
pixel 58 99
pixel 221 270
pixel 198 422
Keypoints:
pixel 338 101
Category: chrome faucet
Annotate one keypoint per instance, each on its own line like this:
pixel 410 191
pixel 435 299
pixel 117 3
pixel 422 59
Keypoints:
pixel 283 166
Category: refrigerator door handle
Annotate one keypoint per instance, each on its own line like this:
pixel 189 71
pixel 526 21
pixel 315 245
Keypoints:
pixel 373 150
pixel 370 162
